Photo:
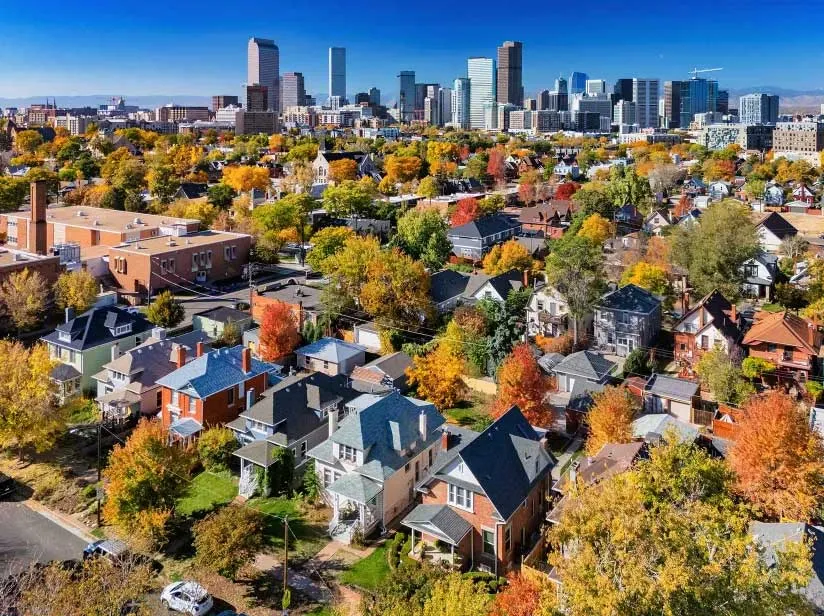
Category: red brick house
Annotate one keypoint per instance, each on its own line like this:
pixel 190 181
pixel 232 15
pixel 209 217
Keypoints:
pixel 550 218
pixel 212 389
pixel 788 341
pixel 712 322
pixel 485 496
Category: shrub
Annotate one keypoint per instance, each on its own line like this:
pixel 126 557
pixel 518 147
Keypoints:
pixel 393 550
pixel 215 447
pixel 228 539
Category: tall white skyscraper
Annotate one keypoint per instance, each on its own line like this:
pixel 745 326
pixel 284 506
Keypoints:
pixel 645 97
pixel 460 102
pixel 337 72
pixel 596 86
pixel 482 88
pixel 263 68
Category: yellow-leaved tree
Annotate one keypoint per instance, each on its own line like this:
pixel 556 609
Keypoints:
pixel 507 256
pixel 76 290
pixel 596 228
pixel 651 277
pixel 437 377
pixel 610 419
pixel 244 178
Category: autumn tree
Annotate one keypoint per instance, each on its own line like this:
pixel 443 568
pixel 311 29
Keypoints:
pixel 396 290
pixel 165 310
pixel 23 295
pixel 401 168
pixel 596 229
pixel 723 377
pixel 244 178
pixel 496 167
pixel 429 187
pixel 658 253
pixel 350 198
pixel 653 278
pixel 144 479
pixel 565 191
pixel 437 377
pixel 215 447
pixel 123 171
pixel 466 211
pixel 422 235
pixel 610 419
pixel 279 334
pixel 76 290
pixel 228 539
pixel 778 458
pixel 220 195
pixel 507 256
pixel 326 243
pixel 442 157
pixel 683 207
pixel 162 181
pixel 27 141
pixel 455 595
pixel 343 169
pixel 522 383
pixel 520 597
pixel 12 193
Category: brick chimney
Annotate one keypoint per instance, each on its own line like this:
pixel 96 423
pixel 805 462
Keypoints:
pixel 199 349
pixel 734 314
pixel 526 278
pixel 246 360
pixel 37 225
pixel 423 428
pixel 180 355
pixel 445 439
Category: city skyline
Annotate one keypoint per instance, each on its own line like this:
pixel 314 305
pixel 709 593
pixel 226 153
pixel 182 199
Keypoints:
pixel 90 67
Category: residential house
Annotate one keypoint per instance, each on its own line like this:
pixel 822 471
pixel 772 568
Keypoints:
pixel 676 397
pixel 628 218
pixel 303 299
pixel 565 168
pixel 772 229
pixel 384 374
pixel 474 239
pixel 446 289
pixel 84 343
pixel 365 165
pixel 215 320
pixel 547 313
pixel 719 190
pixel 549 219
pixel 372 461
pixel 805 194
pixel 485 495
pixel 690 219
pixel 294 414
pixel 192 190
pixel 657 221
pixel 788 341
pixel 712 323
pixel 331 356
pixel 694 186
pixel 583 365
pixel 581 400
pixel 761 274
pixel 627 319
pixel 654 427
pixel 774 195
pixel 497 288
pixel 701 202
pixel 796 207
pixel 210 390
pixel 127 385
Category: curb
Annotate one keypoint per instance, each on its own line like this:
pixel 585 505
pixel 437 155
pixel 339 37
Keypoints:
pixel 60 520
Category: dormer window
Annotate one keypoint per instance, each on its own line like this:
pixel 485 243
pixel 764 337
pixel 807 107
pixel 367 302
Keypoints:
pixel 64 337
pixel 121 330
pixel 347 453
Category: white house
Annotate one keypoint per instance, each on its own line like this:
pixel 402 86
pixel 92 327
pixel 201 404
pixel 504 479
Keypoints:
pixel 547 313
pixel 772 229
pixel 656 222
pixel 759 275
pixel 719 190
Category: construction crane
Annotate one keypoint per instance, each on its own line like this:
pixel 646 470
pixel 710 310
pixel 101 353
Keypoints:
pixel 695 71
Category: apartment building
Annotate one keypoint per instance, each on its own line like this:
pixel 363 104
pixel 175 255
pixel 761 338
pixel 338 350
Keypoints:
pixel 180 113
pixel 799 140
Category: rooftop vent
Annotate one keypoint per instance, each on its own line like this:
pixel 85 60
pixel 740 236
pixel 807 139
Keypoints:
pixel 81 213
pixel 137 221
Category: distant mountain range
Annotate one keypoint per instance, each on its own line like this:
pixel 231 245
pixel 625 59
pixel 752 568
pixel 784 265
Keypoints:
pixel 792 101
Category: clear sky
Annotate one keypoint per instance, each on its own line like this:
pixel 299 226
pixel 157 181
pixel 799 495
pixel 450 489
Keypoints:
pixel 199 48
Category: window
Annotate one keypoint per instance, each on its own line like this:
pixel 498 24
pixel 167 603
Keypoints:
pixel 488 541
pixel 208 259
pixel 507 539
pixel 327 477
pixel 171 265
pixel 303 449
pixel 533 505
pixel 417 470
pixel 226 253
pixel 460 497
pixel 682 347
pixel 175 398
pixel 622 317
pixel 430 457
pixel 163 264
pixel 192 406
pixel 771 348
pixel 202 259
pixel 159 398
pixel 231 395
pixel 347 453
pixel 195 264
pixel 234 252
pixel 325 365
pixel 406 467
pixel 539 305
pixel 705 342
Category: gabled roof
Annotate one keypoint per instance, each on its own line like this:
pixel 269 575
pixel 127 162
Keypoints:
pixel 671 388
pixel 513 280
pixel 331 349
pixel 484 227
pixel 193 190
pixel 440 521
pixel 581 398
pixel 223 314
pixel 95 327
pixel 213 372
pixel 447 284
pixel 778 225
pixel 719 309
pixel 664 213
pixel 332 156
pixel 544 212
pixel 393 365
pixel 784 328
pixel 587 364
pixel 629 298
pixel 548 362
pixel 612 459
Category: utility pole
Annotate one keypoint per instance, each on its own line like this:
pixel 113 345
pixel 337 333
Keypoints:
pixel 285 553
pixel 99 490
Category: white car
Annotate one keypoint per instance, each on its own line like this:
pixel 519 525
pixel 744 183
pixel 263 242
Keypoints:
pixel 187 597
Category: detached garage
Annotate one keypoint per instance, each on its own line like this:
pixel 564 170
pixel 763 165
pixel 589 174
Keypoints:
pixel 582 366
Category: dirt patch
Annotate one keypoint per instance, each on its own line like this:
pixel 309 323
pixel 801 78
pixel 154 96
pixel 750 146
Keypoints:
pixel 55 486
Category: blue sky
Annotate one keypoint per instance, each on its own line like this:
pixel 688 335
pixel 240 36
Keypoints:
pixel 198 48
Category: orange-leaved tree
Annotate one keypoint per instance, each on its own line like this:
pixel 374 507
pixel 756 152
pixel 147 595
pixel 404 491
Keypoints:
pixel 466 211
pixel 610 419
pixel 522 383
pixel 507 256
pixel 520 597
pixel 778 459
pixel 437 377
pixel 343 169
pixel 278 331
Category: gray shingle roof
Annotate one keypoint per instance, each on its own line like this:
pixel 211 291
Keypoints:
pixel 447 284
pixel 650 427
pixel 94 328
pixel 587 364
pixel 581 397
pixel 484 227
pixel 331 349
pixel 671 388
pixel 356 487
pixel 438 520
pixel 224 314
pixel 630 299
pixel 64 372
pixel 549 361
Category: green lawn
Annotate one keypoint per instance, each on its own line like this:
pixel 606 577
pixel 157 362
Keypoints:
pixel 472 413
pixel 311 537
pixel 207 491
pixel 321 611
pixel 772 308
pixel 81 411
pixel 368 572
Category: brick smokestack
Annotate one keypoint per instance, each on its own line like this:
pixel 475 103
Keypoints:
pixel 246 360
pixel 180 356
pixel 37 225
pixel 445 439
pixel 199 349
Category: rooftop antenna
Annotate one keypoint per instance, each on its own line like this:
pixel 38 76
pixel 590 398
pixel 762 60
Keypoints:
pixel 695 71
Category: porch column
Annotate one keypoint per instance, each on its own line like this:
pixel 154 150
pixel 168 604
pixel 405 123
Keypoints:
pixel 413 541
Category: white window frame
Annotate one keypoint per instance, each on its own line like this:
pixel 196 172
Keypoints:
pixel 459 497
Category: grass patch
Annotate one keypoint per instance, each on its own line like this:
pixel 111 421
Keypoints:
pixel 311 536
pixel 772 308
pixel 368 572
pixel 81 411
pixel 206 492
pixel 324 610
pixel 572 459
pixel 472 413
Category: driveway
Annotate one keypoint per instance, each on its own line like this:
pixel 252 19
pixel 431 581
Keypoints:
pixel 27 537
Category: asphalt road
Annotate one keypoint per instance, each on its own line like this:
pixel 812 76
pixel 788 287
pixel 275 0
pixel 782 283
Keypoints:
pixel 27 537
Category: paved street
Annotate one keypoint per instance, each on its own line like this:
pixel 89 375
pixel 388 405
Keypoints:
pixel 26 537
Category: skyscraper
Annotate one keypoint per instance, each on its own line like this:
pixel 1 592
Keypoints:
pixel 257 98
pixel 645 97
pixel 406 95
pixel 293 91
pixel 337 72
pixel 578 83
pixel 722 104
pixel 623 90
pixel 698 95
pixel 445 105
pixel 510 73
pixel 543 99
pixel 596 86
pixel 758 108
pixel 263 68
pixel 460 102
pixel 374 96
pixel 672 105
pixel 481 73
pixel 561 86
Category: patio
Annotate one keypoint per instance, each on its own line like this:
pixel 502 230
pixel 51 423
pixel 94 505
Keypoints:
pixel 446 531
pixel 357 505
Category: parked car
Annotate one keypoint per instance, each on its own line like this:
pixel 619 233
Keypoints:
pixel 107 548
pixel 7 486
pixel 186 597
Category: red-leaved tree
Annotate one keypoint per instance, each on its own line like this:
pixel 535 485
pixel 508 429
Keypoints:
pixel 564 192
pixel 521 382
pixel 496 167
pixel 278 331
pixel 466 211
pixel 520 597
pixel 527 192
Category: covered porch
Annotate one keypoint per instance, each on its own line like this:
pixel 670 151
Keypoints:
pixel 119 406
pixel 66 379
pixel 441 535
pixel 357 506
pixel 184 431
pixel 255 457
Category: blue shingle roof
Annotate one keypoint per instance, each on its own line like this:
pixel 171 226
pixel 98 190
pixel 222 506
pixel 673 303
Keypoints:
pixel 331 349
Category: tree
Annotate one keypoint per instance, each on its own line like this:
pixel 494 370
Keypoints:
pixel 144 479
pixel 723 377
pixel 664 177
pixel 396 290
pixel 596 229
pixel 123 171
pixel 23 295
pixel 491 204
pixel 243 178
pixel 756 367
pixel 346 270
pixel 574 268
pixel 12 193
pixel 465 212
pixel 437 377
pixel 653 278
pixel 429 187
pixel 402 168
pixel 591 199
pixel 163 182
pixel 285 218
pixel 76 290
pixel 279 334
pixel 476 167
pixel 778 459
pixel 522 383
pixel 422 235
pixel 27 141
pixel 496 167
pixel 566 190
pixel 638 363
pixel 220 195
pixel 215 447
pixel 815 311
pixel 303 152
pixel 343 169
pixel 667 538
pixel 455 595
pixel 793 247
pixel 326 243
pixel 610 419
pixel 520 597
pixel 507 256
pixel 714 251
pixel 790 296
pixel 165 310
pixel 350 199
pixel 228 539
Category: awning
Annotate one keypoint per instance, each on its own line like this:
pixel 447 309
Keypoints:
pixel 356 488
pixel 185 428
pixel 64 372
pixel 439 521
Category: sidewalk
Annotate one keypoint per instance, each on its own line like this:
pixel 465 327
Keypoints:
pixel 574 446
pixel 63 520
